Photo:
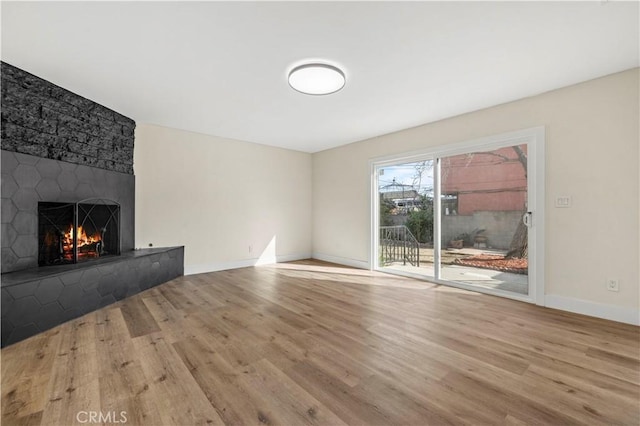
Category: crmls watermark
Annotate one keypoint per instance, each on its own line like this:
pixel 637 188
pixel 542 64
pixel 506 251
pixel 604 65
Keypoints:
pixel 100 417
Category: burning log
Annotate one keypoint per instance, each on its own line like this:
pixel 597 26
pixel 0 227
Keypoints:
pixel 89 248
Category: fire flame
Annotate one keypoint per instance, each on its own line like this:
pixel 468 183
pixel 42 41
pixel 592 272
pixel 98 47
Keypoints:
pixel 83 238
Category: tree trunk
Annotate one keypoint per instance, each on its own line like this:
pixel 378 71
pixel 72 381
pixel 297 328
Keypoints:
pixel 519 248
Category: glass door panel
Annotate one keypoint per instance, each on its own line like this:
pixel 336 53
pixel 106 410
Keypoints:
pixel 406 218
pixel 483 238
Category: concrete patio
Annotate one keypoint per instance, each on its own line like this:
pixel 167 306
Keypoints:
pixel 486 278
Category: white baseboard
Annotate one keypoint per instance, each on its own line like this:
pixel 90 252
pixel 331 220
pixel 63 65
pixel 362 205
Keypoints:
pixel 243 263
pixel 293 257
pixel 342 260
pixel 593 309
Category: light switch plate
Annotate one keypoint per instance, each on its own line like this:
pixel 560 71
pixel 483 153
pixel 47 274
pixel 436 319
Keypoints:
pixel 563 201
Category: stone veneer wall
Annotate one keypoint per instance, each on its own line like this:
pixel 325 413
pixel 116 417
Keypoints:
pixel 42 119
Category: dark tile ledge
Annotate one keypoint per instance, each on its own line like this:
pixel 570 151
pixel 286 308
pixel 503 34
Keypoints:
pixel 13 278
pixel 38 299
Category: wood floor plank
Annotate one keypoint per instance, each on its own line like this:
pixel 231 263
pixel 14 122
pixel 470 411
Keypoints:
pixel 171 385
pixel 74 384
pixel 34 419
pixel 309 342
pixel 139 320
pixel 219 382
pixel 520 386
pixel 626 361
pixel 384 356
pixel 397 403
pixel 505 399
pixel 335 363
pixel 20 394
pixel 352 407
pixel 198 292
pixel 169 319
pixel 123 385
pixel 577 399
pixel 556 347
pixel 179 299
pixel 281 400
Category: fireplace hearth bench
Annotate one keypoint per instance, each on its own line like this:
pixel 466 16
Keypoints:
pixel 37 299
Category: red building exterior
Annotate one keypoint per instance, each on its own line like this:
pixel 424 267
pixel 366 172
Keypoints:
pixel 484 181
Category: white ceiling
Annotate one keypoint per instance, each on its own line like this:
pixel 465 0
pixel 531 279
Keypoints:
pixel 220 68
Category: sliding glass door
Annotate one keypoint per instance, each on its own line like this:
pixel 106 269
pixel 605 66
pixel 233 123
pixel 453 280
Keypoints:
pixel 460 215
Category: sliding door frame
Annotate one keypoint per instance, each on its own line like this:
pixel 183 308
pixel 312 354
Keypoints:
pixel 535 140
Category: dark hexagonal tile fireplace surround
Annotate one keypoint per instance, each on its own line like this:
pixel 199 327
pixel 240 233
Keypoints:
pixel 35 298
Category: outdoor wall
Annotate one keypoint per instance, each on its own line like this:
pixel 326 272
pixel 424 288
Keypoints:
pixel 218 196
pixel 592 140
pixel 499 227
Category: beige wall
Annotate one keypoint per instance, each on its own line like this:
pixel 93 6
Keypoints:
pixel 218 196
pixel 592 140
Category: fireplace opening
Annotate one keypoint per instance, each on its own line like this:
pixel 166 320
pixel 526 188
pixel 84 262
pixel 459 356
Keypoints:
pixel 77 232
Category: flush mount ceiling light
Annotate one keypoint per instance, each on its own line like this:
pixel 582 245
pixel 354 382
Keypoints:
pixel 316 79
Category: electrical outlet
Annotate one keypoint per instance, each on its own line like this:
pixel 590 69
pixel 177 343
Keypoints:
pixel 613 285
pixel 250 248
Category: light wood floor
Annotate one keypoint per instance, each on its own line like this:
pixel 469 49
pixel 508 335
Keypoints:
pixel 312 343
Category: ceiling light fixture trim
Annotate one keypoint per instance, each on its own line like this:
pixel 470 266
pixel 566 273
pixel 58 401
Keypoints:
pixel 317 79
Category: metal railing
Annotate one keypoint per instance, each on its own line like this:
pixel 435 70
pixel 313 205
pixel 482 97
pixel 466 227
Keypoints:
pixel 397 244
